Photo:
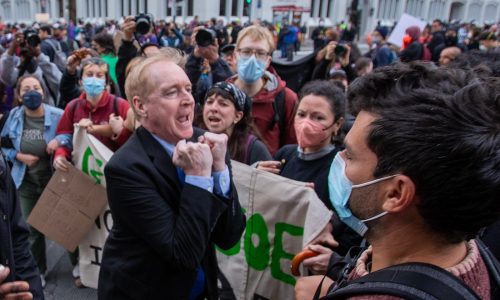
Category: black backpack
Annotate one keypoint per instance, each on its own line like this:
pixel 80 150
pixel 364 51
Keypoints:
pixel 415 281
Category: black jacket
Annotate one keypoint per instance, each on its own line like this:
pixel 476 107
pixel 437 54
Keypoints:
pixel 162 230
pixel 14 245
pixel 126 53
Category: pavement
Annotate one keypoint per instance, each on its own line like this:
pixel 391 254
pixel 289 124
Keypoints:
pixel 60 283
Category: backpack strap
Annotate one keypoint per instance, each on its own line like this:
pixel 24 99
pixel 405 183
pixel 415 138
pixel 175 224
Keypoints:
pixel 279 111
pixel 115 106
pixel 250 140
pixel 416 281
pixel 279 114
pixel 73 109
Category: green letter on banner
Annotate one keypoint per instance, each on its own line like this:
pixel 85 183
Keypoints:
pixel 279 253
pixel 257 257
pixel 96 174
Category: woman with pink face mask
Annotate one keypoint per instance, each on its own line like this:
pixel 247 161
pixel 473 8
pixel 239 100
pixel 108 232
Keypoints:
pixel 318 121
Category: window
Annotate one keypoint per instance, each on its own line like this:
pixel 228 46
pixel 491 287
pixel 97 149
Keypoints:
pixel 222 8
pixel 312 8
pixel 190 7
pixel 234 10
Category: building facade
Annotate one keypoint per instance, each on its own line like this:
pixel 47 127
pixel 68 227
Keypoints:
pixel 369 12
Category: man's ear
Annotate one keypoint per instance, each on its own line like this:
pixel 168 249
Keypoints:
pixel 399 194
pixel 139 107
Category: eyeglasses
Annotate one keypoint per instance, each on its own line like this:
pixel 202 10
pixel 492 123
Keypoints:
pixel 248 52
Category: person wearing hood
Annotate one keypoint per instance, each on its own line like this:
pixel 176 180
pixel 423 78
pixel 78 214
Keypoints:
pixel 273 103
pixel 31 127
pixel 412 48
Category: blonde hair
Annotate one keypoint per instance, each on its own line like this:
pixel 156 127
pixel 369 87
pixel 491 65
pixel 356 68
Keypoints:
pixel 257 32
pixel 139 83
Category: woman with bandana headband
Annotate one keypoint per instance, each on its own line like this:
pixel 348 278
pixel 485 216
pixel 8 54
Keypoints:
pixel 318 120
pixel 226 109
pixel 31 126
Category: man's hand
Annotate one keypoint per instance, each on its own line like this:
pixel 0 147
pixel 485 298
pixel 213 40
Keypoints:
pixel 61 163
pixel 35 51
pixel 344 59
pixel 318 265
pixel 116 123
pixel 72 63
pixel 194 158
pixel 85 123
pixel 13 290
pixel 27 159
pixel 52 146
pixel 330 50
pixel 306 287
pixel 218 147
pixel 16 42
pixel 323 243
pixel 128 28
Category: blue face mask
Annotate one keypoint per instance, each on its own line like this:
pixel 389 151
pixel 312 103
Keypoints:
pixel 250 69
pixel 32 100
pixel 93 86
pixel 340 188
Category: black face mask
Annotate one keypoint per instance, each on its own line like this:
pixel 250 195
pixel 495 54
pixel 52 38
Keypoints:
pixel 32 100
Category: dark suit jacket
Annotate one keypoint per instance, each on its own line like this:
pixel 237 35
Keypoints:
pixel 162 230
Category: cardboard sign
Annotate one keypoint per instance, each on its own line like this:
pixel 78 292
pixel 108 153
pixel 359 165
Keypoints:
pixel 406 20
pixel 68 207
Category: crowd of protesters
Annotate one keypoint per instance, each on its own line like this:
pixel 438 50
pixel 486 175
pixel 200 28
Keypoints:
pixel 53 76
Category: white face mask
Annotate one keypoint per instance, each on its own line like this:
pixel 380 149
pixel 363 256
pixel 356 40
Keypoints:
pixel 340 188
pixel 482 48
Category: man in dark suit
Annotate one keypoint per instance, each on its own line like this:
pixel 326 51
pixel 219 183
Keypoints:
pixel 171 200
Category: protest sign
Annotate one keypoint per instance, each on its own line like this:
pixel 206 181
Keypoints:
pixel 68 207
pixel 406 20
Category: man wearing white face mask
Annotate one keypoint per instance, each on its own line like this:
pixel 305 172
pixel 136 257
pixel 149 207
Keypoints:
pixel 272 102
pixel 418 179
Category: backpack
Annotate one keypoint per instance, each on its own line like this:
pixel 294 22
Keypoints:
pixel 415 281
pixel 59 55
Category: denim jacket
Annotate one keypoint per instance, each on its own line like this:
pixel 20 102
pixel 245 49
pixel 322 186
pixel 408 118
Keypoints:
pixel 14 130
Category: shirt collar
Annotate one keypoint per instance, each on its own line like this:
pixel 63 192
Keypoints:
pixel 166 145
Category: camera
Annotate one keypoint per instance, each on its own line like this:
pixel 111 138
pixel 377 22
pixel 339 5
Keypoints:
pixel 340 49
pixel 32 37
pixel 143 23
pixel 205 37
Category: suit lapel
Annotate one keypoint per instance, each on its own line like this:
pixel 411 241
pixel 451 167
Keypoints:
pixel 160 158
